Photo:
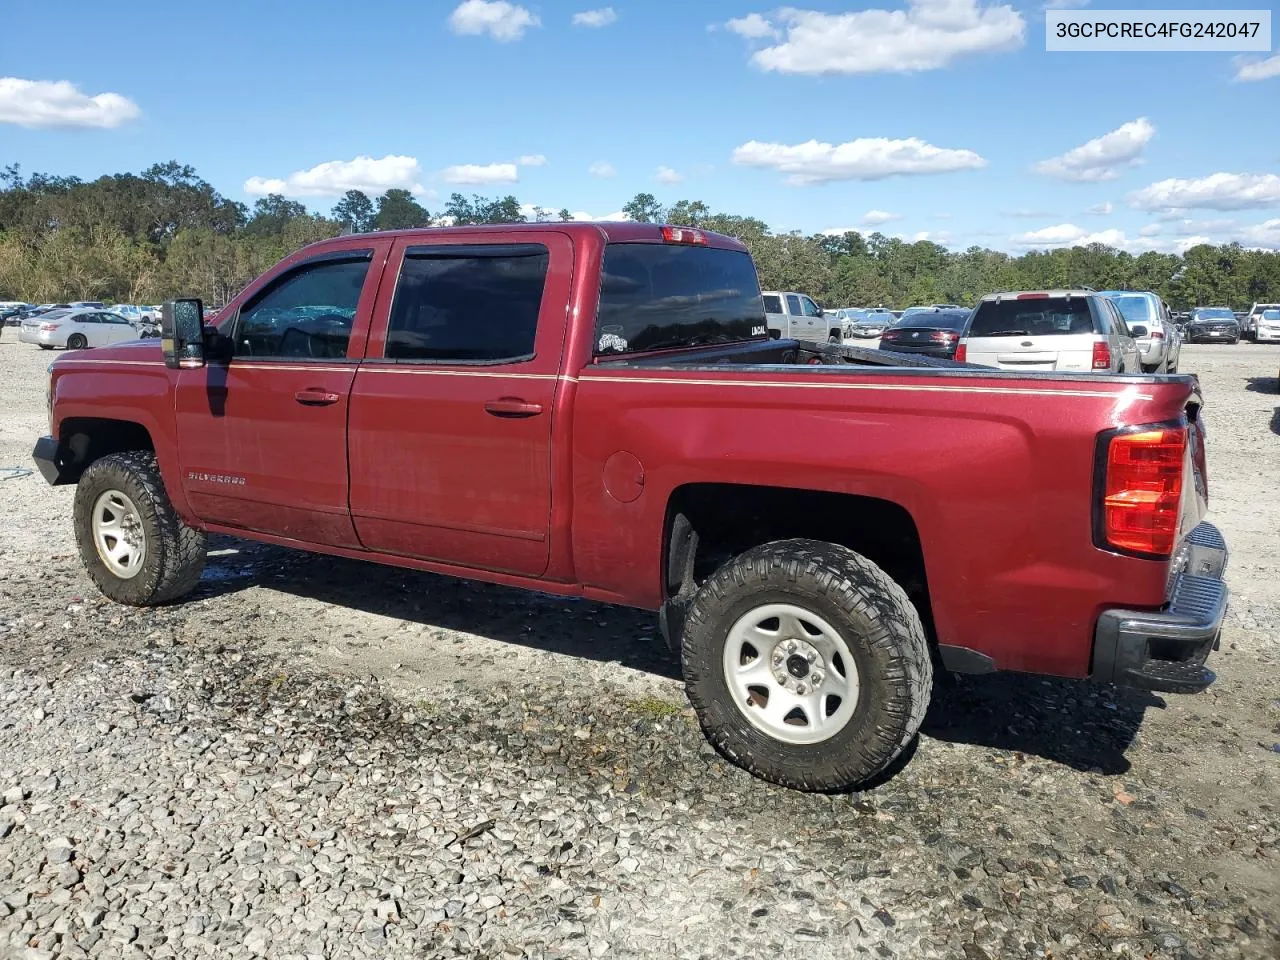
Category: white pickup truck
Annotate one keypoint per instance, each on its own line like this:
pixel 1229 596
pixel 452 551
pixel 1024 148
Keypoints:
pixel 794 316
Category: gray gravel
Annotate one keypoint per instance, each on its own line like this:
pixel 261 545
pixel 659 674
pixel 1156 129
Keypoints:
pixel 316 758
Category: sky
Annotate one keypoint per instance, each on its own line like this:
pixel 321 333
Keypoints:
pixel 944 120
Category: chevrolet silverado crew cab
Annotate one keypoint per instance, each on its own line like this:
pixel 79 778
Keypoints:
pixel 598 410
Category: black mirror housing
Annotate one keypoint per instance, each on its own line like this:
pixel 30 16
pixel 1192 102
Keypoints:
pixel 1139 330
pixel 182 333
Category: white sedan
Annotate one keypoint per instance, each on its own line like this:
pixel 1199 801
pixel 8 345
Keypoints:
pixel 76 329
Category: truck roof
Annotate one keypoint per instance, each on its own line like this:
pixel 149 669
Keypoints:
pixel 619 231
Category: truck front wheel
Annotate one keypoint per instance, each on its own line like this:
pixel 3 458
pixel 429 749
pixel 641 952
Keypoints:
pixel 807 665
pixel 132 542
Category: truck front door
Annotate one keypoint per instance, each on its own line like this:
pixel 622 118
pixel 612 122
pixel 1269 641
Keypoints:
pixel 263 435
pixel 451 414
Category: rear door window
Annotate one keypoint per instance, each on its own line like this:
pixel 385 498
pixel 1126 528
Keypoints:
pixel 1040 317
pixel 793 305
pixel 468 303
pixel 772 303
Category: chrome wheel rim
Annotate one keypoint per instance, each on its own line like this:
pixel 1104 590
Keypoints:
pixel 118 534
pixel 790 673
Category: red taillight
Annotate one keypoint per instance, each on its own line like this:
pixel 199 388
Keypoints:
pixel 1032 296
pixel 1157 334
pixel 962 352
pixel 946 336
pixel 48 326
pixel 1101 355
pixel 684 235
pixel 1142 497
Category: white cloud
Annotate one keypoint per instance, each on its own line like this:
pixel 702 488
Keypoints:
pixel 667 175
pixel 1151 230
pixel 840 231
pixel 927 35
pixel 874 218
pixel 595 18
pixel 942 238
pixel 1249 70
pixel 1104 157
pixel 1104 209
pixel 1025 213
pixel 45 103
pixel 1219 191
pixel 532 160
pixel 480 173
pixel 501 20
pixel 1265 234
pixel 335 177
pixel 870 158
pixel 752 26
pixel 590 218
pixel 601 168
pixel 1070 235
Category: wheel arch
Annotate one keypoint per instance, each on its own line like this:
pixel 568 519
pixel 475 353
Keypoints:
pixel 708 524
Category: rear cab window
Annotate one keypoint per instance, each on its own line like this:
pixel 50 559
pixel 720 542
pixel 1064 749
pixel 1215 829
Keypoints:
pixel 772 303
pixel 658 296
pixel 1036 317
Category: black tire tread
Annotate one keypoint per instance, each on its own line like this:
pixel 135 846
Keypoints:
pixel 854 584
pixel 181 548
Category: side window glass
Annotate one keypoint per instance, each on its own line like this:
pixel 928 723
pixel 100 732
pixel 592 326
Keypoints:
pixel 307 313
pixel 772 304
pixel 88 318
pixel 810 308
pixel 793 305
pixel 473 303
pixel 1117 318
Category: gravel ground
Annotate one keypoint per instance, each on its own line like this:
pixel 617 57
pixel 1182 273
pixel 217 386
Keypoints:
pixel 316 758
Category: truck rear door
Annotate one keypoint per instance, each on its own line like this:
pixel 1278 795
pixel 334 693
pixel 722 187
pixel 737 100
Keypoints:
pixel 451 412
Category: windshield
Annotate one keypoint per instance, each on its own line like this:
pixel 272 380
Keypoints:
pixel 654 296
pixel 1272 315
pixel 1038 317
pixel 1134 309
pixel 936 320
pixel 1213 313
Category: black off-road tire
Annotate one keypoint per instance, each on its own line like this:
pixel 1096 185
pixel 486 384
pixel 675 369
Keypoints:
pixel 174 553
pixel 77 341
pixel 875 619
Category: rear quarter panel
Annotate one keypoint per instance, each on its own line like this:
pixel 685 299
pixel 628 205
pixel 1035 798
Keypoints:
pixel 997 473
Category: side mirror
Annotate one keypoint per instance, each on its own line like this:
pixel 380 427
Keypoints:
pixel 1138 331
pixel 182 333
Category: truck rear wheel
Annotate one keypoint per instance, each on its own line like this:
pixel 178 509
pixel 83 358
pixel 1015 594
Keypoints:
pixel 134 545
pixel 807 665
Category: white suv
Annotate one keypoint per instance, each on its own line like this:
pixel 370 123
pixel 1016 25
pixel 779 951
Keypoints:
pixel 1051 330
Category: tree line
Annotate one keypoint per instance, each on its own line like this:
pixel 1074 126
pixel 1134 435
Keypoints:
pixel 164 232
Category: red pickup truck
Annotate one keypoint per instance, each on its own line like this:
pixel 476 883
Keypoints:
pixel 598 410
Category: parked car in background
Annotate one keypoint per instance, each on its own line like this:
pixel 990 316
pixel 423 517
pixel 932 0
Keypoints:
pixel 1212 325
pixel 795 316
pixel 1268 327
pixel 1050 330
pixel 935 332
pixel 1145 309
pixel 97 304
pixel 871 324
pixel 76 329
pixel 1249 323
